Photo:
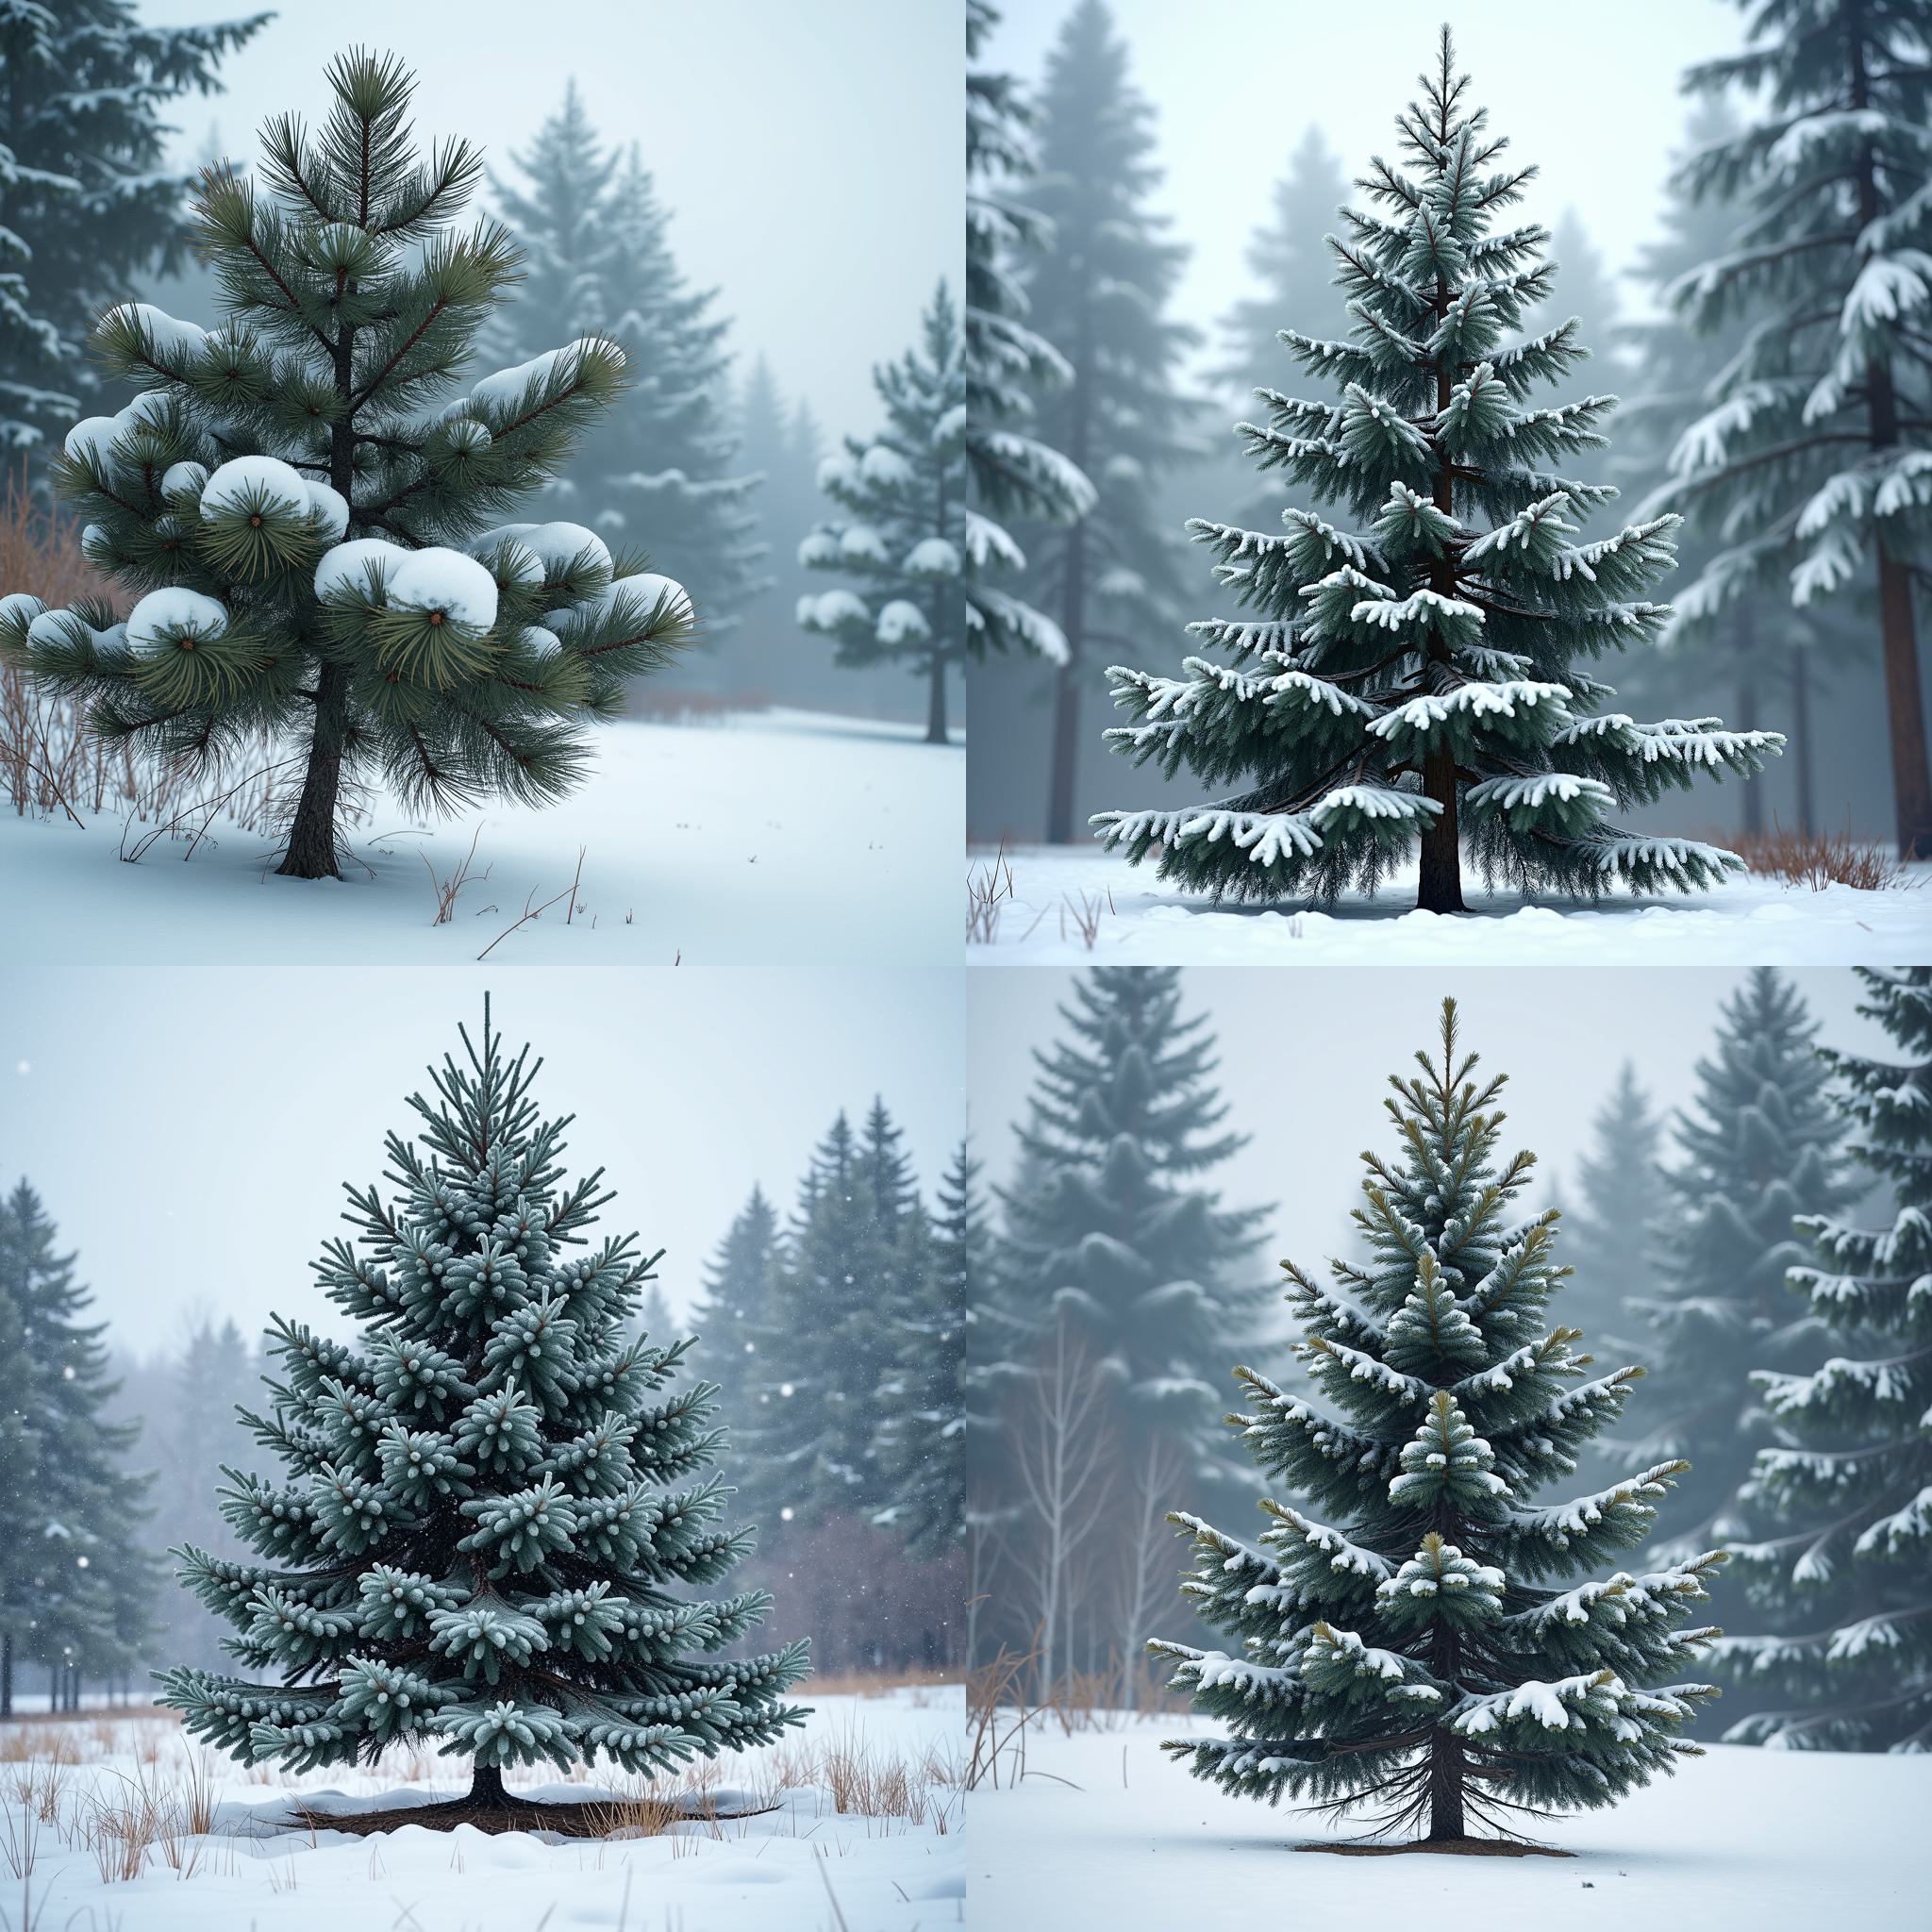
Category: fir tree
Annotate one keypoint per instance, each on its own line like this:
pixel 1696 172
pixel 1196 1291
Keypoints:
pixel 1760 1143
pixel 1010 471
pixel 1413 683
pixel 902 531
pixel 1623 1197
pixel 89 200
pixel 288 495
pixel 1585 288
pixel 1844 1502
pixel 481 1539
pixel 662 464
pixel 731 1305
pixel 78 1584
pixel 781 444
pixel 1814 461
pixel 1429 1645
pixel 1099 297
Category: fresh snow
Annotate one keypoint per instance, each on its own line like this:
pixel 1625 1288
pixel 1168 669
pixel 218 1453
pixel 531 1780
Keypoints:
pixel 803 1863
pixel 784 831
pixel 1143 922
pixel 1739 1841
pixel 174 609
pixel 245 479
pixel 507 387
pixel 447 581
pixel 347 565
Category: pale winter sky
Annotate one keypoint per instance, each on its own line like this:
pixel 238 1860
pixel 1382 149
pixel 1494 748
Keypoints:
pixel 190 1131
pixel 1306 1055
pixel 810 154
pixel 1589 93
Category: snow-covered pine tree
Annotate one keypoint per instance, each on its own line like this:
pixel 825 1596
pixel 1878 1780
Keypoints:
pixel 1099 295
pixel 487 1530
pixel 1010 471
pixel 300 502
pixel 731 1297
pixel 1844 1503
pixel 89 200
pixel 1760 1143
pixel 1429 1645
pixel 1414 683
pixel 919 1442
pixel 662 466
pixel 900 530
pixel 80 1583
pixel 1621 1198
pixel 1814 460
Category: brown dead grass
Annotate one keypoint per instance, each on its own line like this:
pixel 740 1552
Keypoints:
pixel 1818 860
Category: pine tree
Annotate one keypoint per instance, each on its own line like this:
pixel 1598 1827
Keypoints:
pixel 731 1306
pixel 1010 471
pixel 780 444
pixel 89 200
pixel 1844 1502
pixel 226 492
pixel 80 1585
pixel 1761 1144
pixel 19 1464
pixel 478 1540
pixel 1099 297
pixel 1815 458
pixel 902 533
pixel 1431 1648
pixel 1623 1197
pixel 662 464
pixel 1413 683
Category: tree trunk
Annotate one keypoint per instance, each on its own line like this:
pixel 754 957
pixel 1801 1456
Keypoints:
pixel 6 1674
pixel 1066 697
pixel 1801 738
pixel 1440 889
pixel 311 852
pixel 485 1788
pixel 1747 721
pixel 1911 783
pixel 1445 1789
pixel 936 702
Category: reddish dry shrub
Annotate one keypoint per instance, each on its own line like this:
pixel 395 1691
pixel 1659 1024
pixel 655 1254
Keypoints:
pixel 1821 858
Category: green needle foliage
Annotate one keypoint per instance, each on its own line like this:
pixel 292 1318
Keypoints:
pixel 1416 682
pixel 1429 1647
pixel 487 1528
pixel 302 502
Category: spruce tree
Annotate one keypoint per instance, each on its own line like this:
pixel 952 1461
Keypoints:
pixel 731 1304
pixel 901 526
pixel 488 1526
pixel 1761 1144
pixel 81 1587
pixel 661 469
pixel 89 200
pixel 1621 1197
pixel 1431 1643
pixel 299 501
pixel 1841 1507
pixel 1414 683
pixel 781 444
pixel 1814 460
pixel 1010 471
pixel 1099 296
pixel 1585 288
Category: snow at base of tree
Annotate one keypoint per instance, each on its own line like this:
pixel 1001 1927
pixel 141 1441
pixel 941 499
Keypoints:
pixel 1142 922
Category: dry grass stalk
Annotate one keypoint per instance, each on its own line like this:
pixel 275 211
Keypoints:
pixel 1818 860
pixel 448 890
pixel 989 893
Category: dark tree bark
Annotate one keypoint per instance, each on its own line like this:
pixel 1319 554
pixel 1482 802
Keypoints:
pixel 936 702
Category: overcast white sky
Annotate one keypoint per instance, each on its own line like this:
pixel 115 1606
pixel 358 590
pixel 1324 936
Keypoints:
pixel 190 1130
pixel 1306 1055
pixel 1589 93
pixel 811 155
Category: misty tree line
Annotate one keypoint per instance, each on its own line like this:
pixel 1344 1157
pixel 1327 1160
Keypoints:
pixel 1765 1253
pixel 835 1333
pixel 1778 397
pixel 715 472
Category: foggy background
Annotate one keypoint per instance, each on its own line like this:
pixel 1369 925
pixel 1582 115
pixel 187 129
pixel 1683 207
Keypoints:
pixel 1590 97
pixel 196 1158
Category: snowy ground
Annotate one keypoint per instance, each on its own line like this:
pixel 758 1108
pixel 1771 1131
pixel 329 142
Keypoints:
pixel 1135 921
pixel 778 835
pixel 1740 1841
pixel 804 1865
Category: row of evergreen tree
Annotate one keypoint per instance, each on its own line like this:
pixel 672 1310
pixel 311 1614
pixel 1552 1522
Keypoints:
pixel 1765 1250
pixel 1775 396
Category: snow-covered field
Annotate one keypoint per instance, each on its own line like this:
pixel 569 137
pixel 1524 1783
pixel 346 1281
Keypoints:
pixel 1740 1841
pixel 1062 894
pixel 777 835
pixel 803 1865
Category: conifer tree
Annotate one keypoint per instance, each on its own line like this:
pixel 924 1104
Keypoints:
pixel 1761 1144
pixel 731 1305
pixel 661 467
pixel 300 502
pixel 89 200
pixel 1414 683
pixel 488 1527
pixel 1430 1644
pixel 1814 460
pixel 1584 287
pixel 1099 296
pixel 79 1588
pixel 1843 1506
pixel 901 531
pixel 1010 471
pixel 1621 1197
pixel 781 444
